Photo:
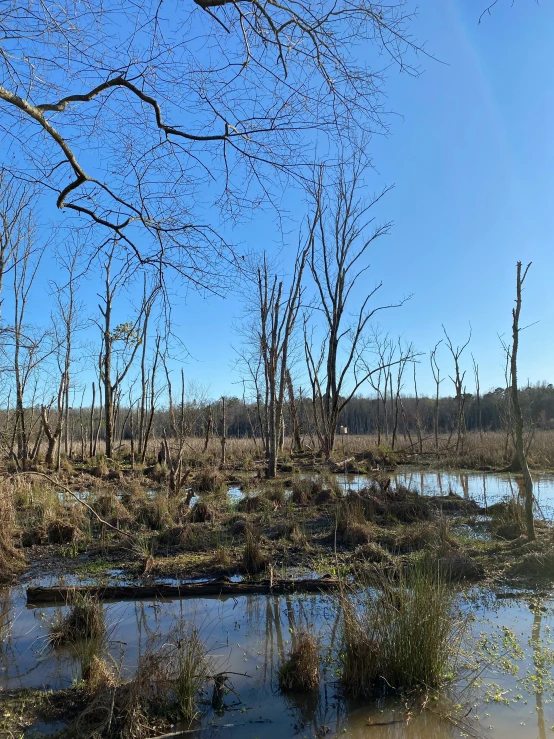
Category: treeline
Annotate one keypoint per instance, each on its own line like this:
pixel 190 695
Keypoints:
pixel 401 417
pixel 301 320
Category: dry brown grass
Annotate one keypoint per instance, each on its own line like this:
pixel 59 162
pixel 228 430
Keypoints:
pixel 479 450
pixel 300 671
pixel 165 689
pixel 253 559
pixel 10 559
pixel 83 621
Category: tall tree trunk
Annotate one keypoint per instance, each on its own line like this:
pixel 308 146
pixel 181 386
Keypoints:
pixel 296 438
pixel 518 416
pixel 223 432
pixel 91 443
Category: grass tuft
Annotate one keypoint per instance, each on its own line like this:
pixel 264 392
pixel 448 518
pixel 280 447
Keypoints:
pixel 300 671
pixel 401 633
pixel 83 621
pixel 253 560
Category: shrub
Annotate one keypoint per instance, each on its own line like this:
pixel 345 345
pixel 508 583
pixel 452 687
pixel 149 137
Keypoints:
pixel 300 671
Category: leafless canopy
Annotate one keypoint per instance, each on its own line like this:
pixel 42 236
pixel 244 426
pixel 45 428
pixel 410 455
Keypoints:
pixel 151 119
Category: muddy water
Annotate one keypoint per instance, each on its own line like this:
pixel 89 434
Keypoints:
pixel 509 646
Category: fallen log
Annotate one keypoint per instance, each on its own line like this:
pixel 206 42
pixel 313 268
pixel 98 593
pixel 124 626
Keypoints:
pixel 63 594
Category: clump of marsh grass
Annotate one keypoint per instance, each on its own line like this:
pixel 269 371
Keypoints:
pixel 300 670
pixel 112 509
pixel 253 560
pixel 164 690
pixel 507 519
pixel 209 480
pixel 10 559
pixel 83 630
pixel 275 492
pixel 190 665
pixel 83 621
pixel 97 674
pixel 252 503
pixel 306 490
pixel 402 633
pixel 202 511
pixel 154 514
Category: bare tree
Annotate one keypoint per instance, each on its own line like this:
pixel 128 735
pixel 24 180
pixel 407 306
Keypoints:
pixel 518 416
pixel 119 344
pixel 342 231
pixel 458 382
pixel 149 402
pixel 405 355
pixel 478 396
pixel 65 322
pixel 295 423
pixel 223 438
pixel 417 412
pixel 213 93
pixel 435 369
pixel 16 202
pixel 379 380
pixel 29 347
pixel 180 427
pixel 270 335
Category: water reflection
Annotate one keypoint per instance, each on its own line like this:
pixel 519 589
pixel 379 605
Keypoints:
pixel 251 635
pixel 536 645
pixel 484 487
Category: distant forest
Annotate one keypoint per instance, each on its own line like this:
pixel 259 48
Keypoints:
pixel 398 417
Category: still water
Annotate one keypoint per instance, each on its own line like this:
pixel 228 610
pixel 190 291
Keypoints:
pixel 507 692
pixel 484 487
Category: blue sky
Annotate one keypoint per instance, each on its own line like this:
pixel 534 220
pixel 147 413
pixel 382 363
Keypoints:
pixel 470 155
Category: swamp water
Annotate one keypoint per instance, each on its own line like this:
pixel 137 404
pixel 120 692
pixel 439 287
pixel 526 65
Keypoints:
pixel 508 692
pixel 484 487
